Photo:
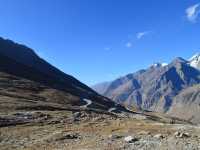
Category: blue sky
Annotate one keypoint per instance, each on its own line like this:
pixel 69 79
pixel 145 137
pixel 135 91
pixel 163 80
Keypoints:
pixel 100 40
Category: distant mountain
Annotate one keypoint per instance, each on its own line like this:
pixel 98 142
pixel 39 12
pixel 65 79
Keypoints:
pixel 101 87
pixel 159 87
pixel 29 82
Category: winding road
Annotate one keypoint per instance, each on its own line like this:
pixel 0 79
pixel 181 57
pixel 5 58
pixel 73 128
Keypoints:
pixel 88 102
pixel 111 109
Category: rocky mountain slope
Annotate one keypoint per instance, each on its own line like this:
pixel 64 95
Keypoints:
pixel 187 104
pixel 29 82
pixel 159 87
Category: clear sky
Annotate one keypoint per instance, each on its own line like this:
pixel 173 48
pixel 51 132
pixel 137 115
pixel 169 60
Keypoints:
pixel 100 40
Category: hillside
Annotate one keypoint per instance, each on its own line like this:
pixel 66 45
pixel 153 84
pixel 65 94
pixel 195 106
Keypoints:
pixel 27 80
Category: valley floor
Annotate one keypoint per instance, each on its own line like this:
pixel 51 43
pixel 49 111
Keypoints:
pixel 64 130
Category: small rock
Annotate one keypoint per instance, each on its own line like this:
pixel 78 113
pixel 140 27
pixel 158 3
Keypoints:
pixel 177 134
pixel 159 136
pixel 115 136
pixel 130 139
pixel 184 135
pixel 181 135
pixel 68 136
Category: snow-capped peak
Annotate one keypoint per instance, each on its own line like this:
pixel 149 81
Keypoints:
pixel 194 61
pixel 196 56
pixel 159 64
pixel 164 64
pixel 156 64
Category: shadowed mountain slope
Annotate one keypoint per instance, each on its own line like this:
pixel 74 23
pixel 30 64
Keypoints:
pixel 22 73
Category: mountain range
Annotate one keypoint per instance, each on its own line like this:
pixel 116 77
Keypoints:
pixel 28 82
pixel 172 88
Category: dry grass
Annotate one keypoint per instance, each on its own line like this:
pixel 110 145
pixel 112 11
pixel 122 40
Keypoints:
pixel 93 130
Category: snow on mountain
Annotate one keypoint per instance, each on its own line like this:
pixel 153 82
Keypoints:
pixel 194 61
pixel 164 64
pixel 159 64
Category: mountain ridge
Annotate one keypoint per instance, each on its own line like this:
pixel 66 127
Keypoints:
pixel 156 87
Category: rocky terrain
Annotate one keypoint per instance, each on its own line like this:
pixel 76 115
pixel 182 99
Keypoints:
pixel 170 88
pixel 67 130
